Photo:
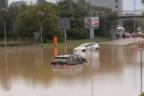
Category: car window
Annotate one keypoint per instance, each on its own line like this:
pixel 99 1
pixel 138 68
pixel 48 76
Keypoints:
pixel 60 60
pixel 83 45
pixel 77 59
pixel 70 60
pixel 89 45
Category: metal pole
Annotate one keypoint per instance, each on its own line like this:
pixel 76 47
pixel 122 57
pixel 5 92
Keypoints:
pixel 5 40
pixel 91 29
pixel 41 29
pixel 105 28
pixel 65 41
pixel 5 33
pixel 91 34
pixel 141 70
pixel 134 2
pixel 91 38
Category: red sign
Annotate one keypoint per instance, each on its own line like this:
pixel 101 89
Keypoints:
pixel 92 22
pixel 140 46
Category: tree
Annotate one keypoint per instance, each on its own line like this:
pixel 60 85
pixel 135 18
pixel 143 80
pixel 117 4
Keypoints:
pixel 5 18
pixel 107 19
pixel 143 1
pixel 76 12
pixel 3 3
pixel 30 20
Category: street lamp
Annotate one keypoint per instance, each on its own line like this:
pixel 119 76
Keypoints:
pixel 41 27
pixel 134 4
pixel 5 41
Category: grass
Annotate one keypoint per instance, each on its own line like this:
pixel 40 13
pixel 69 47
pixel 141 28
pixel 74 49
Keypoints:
pixel 72 43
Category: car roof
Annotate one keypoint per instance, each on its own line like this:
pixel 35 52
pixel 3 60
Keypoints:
pixel 83 44
pixel 62 56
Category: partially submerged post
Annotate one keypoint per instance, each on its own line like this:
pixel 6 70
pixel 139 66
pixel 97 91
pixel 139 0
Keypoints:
pixel 64 24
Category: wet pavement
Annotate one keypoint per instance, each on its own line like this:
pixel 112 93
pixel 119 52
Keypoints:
pixel 124 42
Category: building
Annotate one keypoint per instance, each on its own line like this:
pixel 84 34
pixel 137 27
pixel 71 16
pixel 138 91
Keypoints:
pixel 115 5
pixel 41 1
pixel 18 3
pixel 3 3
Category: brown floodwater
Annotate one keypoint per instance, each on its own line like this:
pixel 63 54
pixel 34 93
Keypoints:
pixel 114 71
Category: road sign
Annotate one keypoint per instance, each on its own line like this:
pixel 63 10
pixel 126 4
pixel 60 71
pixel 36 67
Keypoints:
pixel 140 46
pixel 36 35
pixel 91 22
pixel 64 23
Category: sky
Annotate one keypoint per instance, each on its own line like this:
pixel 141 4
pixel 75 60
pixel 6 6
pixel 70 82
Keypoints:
pixel 128 4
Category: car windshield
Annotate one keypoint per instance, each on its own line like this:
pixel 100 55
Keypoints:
pixel 83 45
pixel 87 44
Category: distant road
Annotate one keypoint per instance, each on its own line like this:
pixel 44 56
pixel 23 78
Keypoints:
pixel 123 42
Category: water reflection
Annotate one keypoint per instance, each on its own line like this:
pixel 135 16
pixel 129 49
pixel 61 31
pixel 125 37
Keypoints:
pixel 68 69
pixel 5 79
pixel 29 69
pixel 114 58
pixel 56 52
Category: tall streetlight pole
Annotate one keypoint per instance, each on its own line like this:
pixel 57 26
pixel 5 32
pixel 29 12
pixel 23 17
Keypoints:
pixel 5 34
pixel 134 4
pixel 5 39
pixel 41 26
pixel 90 18
pixel 4 27
pixel 41 32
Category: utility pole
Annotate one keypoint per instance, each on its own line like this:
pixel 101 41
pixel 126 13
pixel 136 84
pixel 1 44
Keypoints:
pixel 134 4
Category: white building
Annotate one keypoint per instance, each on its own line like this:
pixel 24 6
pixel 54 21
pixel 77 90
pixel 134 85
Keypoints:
pixel 18 3
pixel 115 5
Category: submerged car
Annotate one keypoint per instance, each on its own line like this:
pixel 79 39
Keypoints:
pixel 71 59
pixel 86 47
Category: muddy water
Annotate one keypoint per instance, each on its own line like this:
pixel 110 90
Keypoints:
pixel 114 71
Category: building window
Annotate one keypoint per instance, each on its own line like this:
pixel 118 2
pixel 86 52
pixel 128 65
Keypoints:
pixel 116 1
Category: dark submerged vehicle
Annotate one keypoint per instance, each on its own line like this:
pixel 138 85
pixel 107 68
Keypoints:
pixel 71 59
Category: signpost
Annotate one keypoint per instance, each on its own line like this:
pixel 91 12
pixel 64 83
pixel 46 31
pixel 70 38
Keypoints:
pixel 64 24
pixel 140 47
pixel 36 36
pixel 92 23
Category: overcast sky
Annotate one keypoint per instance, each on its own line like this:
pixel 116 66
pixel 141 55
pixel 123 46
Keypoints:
pixel 128 4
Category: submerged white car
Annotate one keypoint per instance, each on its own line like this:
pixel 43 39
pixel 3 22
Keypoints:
pixel 86 47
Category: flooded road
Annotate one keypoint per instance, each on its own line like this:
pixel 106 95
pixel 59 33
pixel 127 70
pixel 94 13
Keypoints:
pixel 114 71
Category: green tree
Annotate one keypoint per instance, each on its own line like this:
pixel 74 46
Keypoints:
pixel 5 18
pixel 76 12
pixel 107 19
pixel 3 3
pixel 30 21
pixel 143 1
